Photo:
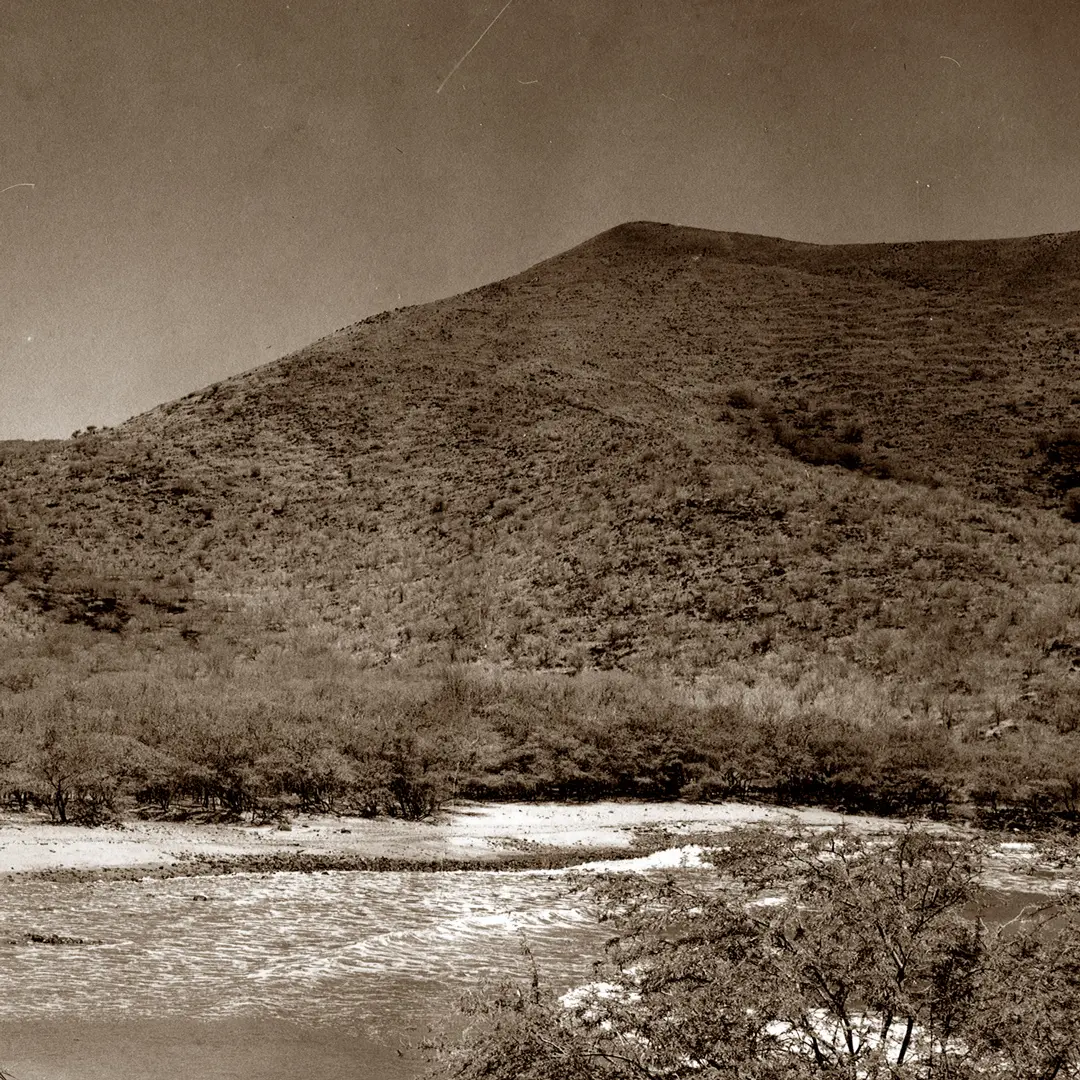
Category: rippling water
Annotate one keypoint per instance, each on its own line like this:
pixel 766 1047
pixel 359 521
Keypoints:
pixel 356 950
pixel 361 952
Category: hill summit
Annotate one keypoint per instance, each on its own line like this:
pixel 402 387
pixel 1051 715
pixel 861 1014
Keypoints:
pixel 742 471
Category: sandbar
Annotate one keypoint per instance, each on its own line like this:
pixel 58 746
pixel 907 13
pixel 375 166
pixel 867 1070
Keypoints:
pixel 466 832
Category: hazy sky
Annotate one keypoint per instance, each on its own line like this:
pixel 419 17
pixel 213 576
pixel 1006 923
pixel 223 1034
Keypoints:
pixel 217 182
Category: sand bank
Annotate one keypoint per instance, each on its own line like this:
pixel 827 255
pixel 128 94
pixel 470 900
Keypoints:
pixel 466 833
pixel 71 1049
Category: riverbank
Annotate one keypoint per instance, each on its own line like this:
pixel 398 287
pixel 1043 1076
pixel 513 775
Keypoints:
pixel 466 836
pixel 335 976
pixel 162 1049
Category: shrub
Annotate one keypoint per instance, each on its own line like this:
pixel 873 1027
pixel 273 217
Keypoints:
pixel 77 772
pixel 744 396
pixel 820 449
pixel 1060 467
pixel 851 431
pixel 831 956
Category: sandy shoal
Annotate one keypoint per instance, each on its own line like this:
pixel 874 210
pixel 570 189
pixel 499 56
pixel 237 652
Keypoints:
pixel 163 1049
pixel 465 831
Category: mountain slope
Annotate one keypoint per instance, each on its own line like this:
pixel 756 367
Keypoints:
pixel 609 460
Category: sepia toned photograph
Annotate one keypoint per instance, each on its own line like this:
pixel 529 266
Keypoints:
pixel 540 540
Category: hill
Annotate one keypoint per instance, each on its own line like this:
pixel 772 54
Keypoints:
pixel 672 481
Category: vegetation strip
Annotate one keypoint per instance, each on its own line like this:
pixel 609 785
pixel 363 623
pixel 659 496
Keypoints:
pixel 538 857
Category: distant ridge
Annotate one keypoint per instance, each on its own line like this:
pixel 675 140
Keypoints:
pixel 958 260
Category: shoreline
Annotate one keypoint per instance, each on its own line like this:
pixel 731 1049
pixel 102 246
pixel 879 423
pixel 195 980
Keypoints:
pixel 467 836
pixel 104 1048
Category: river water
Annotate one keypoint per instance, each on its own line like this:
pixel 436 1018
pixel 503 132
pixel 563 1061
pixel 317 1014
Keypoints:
pixel 380 958
pixel 354 950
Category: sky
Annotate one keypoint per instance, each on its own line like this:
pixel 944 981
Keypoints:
pixel 195 187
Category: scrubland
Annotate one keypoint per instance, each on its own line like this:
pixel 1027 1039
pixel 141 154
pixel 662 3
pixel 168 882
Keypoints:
pixel 676 513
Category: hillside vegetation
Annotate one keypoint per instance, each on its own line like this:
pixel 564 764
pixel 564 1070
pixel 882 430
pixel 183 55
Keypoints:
pixel 674 511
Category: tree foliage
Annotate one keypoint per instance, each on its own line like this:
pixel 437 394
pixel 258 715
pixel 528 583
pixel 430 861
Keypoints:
pixel 243 735
pixel 801 956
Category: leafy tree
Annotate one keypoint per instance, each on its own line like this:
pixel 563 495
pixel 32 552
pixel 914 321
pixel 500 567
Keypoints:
pixel 78 772
pixel 156 774
pixel 17 783
pixel 801 956
pixel 420 772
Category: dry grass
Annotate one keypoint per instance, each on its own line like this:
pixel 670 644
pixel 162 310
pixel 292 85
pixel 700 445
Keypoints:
pixel 610 461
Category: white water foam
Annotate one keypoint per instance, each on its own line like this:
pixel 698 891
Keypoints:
pixel 322 948
pixel 343 948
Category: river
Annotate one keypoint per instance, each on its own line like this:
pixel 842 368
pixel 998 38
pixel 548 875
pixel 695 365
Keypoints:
pixel 375 957
pixel 245 976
